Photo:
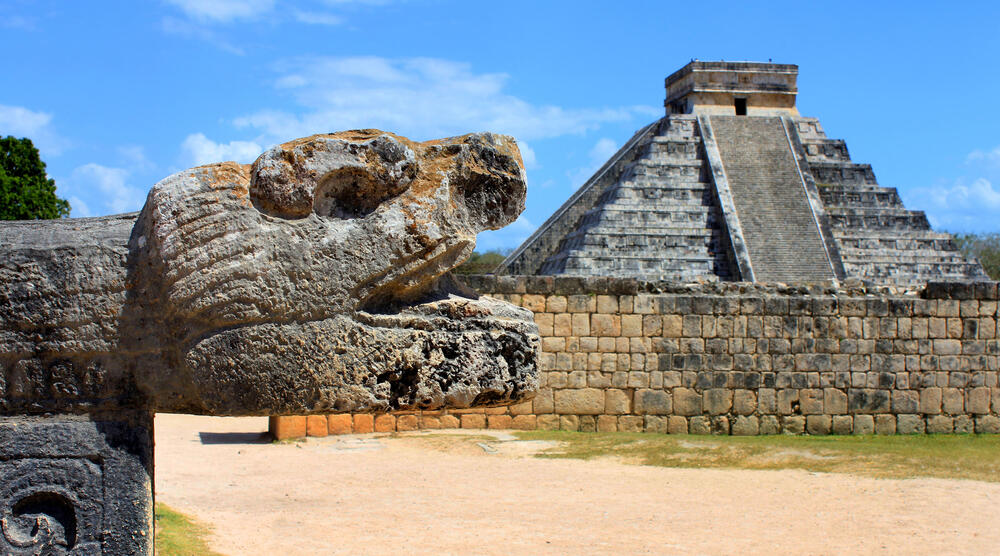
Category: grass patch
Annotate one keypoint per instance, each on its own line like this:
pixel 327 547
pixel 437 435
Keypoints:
pixel 955 456
pixel 179 535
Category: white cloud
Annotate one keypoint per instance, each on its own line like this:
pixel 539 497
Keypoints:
pixel 191 30
pixel 507 238
pixel 110 185
pixel 37 126
pixel 202 150
pixel 223 11
pixel 527 156
pixel 978 155
pixel 602 150
pixel 423 98
pixel 960 206
pixel 317 18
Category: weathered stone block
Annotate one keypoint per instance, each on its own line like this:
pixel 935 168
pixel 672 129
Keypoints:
pixel 834 401
pixel 340 423
pixel 607 423
pixel 699 425
pixel 811 401
pixel 653 402
pixel 905 401
pixel 677 425
pixel 818 424
pixel 406 423
pixel 864 424
pixel 988 424
pixel 952 401
pixel 469 421
pixel 793 424
pixel 687 402
pixel 843 424
pixel 746 425
pixel 548 422
pixel 885 424
pixel 909 424
pixel 287 427
pixel 616 402
pixel 744 402
pixel 588 423
pixel 939 424
pixel 977 400
pixel 364 423
pixel 582 401
pixel 717 401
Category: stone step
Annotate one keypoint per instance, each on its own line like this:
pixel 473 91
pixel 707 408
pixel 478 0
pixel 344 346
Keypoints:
pixel 842 173
pixel 826 150
pixel 881 218
pixel 841 197
pixel 782 239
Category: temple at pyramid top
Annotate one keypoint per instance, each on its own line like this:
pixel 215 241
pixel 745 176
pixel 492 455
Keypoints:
pixel 733 184
pixel 732 89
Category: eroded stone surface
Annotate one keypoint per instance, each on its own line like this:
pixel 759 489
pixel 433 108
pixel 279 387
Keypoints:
pixel 314 280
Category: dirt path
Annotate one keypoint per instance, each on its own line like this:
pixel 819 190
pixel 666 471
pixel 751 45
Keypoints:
pixel 366 495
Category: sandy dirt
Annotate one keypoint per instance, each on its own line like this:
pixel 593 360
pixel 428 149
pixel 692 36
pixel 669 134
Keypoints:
pixel 366 494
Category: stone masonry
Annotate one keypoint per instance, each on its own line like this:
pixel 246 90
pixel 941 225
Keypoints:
pixel 741 359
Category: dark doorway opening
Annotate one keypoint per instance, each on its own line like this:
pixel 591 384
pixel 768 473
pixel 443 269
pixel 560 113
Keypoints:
pixel 741 107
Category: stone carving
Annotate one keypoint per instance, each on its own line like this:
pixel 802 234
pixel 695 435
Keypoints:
pixel 315 280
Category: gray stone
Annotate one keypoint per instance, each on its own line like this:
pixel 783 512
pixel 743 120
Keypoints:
pixel 653 402
pixel 843 424
pixel 746 425
pixel 687 402
pixel 909 424
pixel 864 424
pixel 315 281
pixel 583 401
pixel 699 425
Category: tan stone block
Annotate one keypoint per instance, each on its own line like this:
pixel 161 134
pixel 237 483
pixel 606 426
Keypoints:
pixel 542 402
pixel 499 421
pixel 672 326
pixel 746 425
pixel 607 423
pixel 430 422
pixel 580 326
pixel 364 423
pixel 340 423
pixel 544 322
pixel 450 422
pixel 843 424
pixel 524 423
pixel 523 408
pixel 930 401
pixel 699 424
pixel 940 424
pixel 562 324
pixel 581 303
pixel 631 325
pixel 864 424
pixel 630 423
pixel 316 425
pixel 283 427
pixel 533 302
pixel 502 410
pixel 548 422
pixel 556 304
pixel 644 304
pixel 677 425
pixel 977 401
pixel 964 424
pixel 652 326
pixel 653 402
pixel 473 421
pixel 577 379
pixel 607 304
pixel 553 344
pixel 588 423
pixel 909 424
pixel 793 424
pixel 405 423
pixel 717 401
pixel 569 423
pixel 744 402
pixel 818 424
pixel 952 401
pixel 988 424
pixel 885 424
pixel 686 402
pixel 834 401
pixel 769 424
pixel 385 423
pixel 616 402
pixel 582 401
pixel 603 325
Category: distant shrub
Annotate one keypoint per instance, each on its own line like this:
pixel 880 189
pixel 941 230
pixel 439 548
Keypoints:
pixel 483 263
pixel 985 247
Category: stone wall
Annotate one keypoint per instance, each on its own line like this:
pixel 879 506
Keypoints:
pixel 738 358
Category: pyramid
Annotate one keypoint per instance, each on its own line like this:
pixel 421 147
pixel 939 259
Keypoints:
pixel 733 184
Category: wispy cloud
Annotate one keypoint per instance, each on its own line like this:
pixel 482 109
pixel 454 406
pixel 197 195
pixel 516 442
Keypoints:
pixel 420 97
pixel 598 155
pixel 317 18
pixel 95 181
pixel 960 206
pixel 37 126
pixel 200 150
pixel 223 11
pixel 192 30
pixel 989 156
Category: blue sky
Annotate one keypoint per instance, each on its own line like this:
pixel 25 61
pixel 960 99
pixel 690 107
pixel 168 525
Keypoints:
pixel 118 95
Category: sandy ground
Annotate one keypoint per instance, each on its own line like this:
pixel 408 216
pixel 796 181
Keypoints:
pixel 377 495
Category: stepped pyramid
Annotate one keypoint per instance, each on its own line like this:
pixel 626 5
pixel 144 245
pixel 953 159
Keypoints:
pixel 733 184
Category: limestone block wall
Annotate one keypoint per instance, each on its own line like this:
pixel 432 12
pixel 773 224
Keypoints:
pixel 738 358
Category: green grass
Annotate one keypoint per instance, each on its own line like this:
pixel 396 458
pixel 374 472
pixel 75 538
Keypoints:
pixel 179 535
pixel 945 456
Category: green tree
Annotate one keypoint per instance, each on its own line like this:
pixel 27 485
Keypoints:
pixel 986 247
pixel 483 263
pixel 26 193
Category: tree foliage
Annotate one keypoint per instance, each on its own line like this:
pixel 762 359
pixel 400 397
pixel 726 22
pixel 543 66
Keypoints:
pixel 483 263
pixel 985 247
pixel 26 193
